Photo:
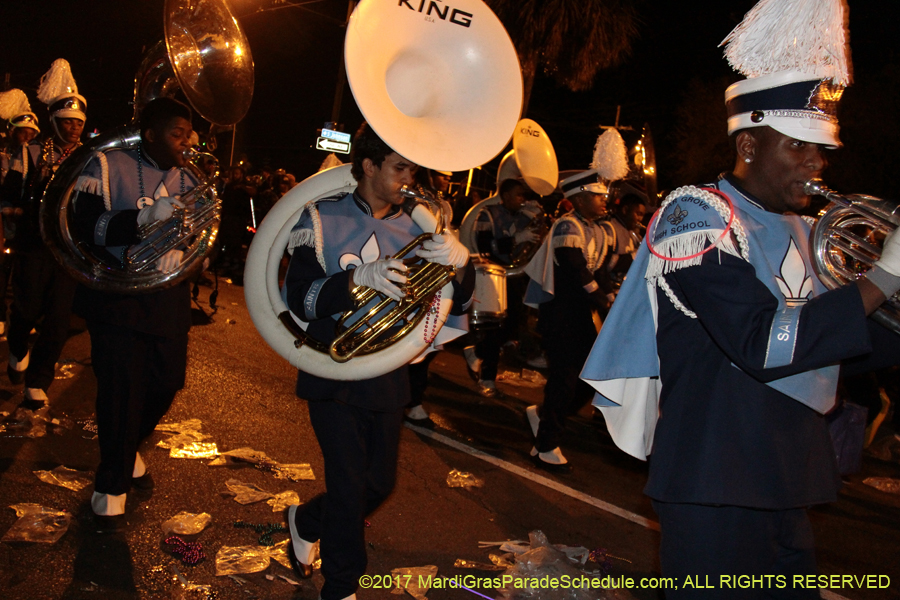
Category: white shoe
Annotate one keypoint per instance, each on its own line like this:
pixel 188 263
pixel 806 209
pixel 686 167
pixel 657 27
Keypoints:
pixel 533 419
pixel 19 365
pixel 538 362
pixel 473 363
pixel 417 413
pixel 305 552
pixel 553 457
pixel 139 467
pixel 108 505
pixel 36 394
pixel 552 461
pixel 488 388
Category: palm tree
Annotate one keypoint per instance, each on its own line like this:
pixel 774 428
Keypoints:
pixel 570 40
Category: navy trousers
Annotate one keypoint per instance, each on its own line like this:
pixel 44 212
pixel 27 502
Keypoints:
pixel 724 547
pixel 138 375
pixel 360 451
pixel 42 297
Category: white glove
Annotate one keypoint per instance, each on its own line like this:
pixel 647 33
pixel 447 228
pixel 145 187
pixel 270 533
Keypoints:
pixel 161 209
pixel 531 209
pixel 444 249
pixel 526 235
pixel 169 261
pixel 379 276
pixel 890 255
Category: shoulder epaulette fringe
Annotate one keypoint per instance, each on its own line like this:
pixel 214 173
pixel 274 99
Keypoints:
pixel 567 241
pixel 89 185
pixel 674 251
pixel 301 237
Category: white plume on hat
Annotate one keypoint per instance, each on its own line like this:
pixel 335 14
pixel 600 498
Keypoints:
pixel 13 103
pixel 806 36
pixel 57 83
pixel 610 156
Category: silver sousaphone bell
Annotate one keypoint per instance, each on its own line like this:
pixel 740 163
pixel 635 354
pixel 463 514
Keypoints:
pixel 206 55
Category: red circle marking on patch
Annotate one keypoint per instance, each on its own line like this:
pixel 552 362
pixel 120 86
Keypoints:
pixel 705 250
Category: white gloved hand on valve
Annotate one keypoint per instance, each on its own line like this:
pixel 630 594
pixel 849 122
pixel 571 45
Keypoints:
pixel 890 255
pixel 169 261
pixel 381 276
pixel 526 235
pixel 444 249
pixel 161 209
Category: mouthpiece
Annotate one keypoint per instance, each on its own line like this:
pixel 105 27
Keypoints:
pixel 815 187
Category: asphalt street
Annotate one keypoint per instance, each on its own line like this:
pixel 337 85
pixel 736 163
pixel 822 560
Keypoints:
pixel 243 395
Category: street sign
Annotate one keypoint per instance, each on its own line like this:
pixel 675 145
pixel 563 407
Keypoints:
pixel 332 146
pixel 338 136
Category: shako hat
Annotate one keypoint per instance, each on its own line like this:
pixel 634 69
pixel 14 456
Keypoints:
pixel 15 109
pixel 582 181
pixel 60 93
pixel 795 56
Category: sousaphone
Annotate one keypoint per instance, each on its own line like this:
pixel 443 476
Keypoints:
pixel 206 55
pixel 440 83
pixel 533 160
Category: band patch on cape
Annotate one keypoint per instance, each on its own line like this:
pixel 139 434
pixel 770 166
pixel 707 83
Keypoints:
pixel 690 222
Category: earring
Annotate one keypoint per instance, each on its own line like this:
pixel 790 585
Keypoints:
pixel 748 160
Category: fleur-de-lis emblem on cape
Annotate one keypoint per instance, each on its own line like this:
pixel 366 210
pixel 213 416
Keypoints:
pixel 368 253
pixel 794 282
pixel 677 216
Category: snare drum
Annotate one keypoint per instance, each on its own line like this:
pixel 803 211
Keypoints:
pixel 489 306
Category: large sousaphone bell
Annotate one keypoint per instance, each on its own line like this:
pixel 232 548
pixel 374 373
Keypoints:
pixel 206 55
pixel 533 160
pixel 441 85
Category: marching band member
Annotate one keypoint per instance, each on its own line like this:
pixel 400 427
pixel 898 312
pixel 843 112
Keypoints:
pixel 568 284
pixel 499 229
pixel 138 341
pixel 22 127
pixel 337 245
pixel 18 157
pixel 733 340
pixel 42 290
pixel 627 220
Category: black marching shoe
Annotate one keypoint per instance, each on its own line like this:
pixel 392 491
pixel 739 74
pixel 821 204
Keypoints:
pixel 110 523
pixel 302 570
pixel 144 483
pixel 15 377
pixel 419 417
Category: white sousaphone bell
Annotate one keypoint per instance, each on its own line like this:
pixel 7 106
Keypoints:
pixel 533 160
pixel 440 83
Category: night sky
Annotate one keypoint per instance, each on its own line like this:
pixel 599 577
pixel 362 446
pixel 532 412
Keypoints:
pixel 297 52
